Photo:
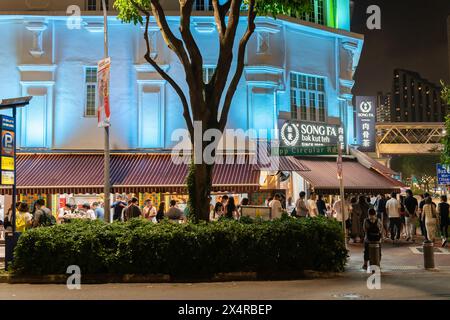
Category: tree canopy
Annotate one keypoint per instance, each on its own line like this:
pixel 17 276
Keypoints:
pixel 445 157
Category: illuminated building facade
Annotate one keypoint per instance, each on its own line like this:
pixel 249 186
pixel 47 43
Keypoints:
pixel 300 69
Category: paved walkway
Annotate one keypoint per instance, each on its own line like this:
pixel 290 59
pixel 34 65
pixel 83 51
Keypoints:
pixel 400 257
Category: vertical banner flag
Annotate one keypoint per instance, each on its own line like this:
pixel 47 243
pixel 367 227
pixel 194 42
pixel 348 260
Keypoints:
pixel 365 122
pixel 103 76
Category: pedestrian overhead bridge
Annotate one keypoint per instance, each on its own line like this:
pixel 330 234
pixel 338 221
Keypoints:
pixel 409 138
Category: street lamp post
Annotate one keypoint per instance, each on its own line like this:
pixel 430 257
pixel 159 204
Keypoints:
pixel 107 179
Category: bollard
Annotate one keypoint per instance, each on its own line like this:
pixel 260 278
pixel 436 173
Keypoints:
pixel 374 253
pixel 428 254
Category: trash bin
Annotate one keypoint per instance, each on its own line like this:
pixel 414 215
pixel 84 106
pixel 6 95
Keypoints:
pixel 374 253
pixel 10 243
pixel 428 254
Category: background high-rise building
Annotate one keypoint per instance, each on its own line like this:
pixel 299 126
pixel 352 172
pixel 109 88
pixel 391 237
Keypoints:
pixel 383 107
pixel 415 99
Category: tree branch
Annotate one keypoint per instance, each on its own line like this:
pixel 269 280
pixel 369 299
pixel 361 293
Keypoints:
pixel 240 65
pixel 175 44
pixel 220 12
pixel 224 62
pixel 195 55
pixel 169 79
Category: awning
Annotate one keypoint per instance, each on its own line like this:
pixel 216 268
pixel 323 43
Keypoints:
pixel 357 178
pixel 368 162
pixel 131 173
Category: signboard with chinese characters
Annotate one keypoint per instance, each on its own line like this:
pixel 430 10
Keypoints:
pixel 365 123
pixel 7 165
pixel 443 174
pixel 308 138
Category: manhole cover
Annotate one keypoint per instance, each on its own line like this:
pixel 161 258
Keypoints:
pixel 349 296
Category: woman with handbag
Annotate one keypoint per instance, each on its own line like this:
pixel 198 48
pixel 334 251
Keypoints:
pixel 430 219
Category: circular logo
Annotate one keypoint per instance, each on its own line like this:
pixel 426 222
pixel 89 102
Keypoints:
pixel 290 134
pixel 365 106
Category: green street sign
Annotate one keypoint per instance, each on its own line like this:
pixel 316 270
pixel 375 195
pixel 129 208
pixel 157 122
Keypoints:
pixel 305 151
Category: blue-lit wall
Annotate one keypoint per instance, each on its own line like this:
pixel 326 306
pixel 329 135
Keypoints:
pixel 145 109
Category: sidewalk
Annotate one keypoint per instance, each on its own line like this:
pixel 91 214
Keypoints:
pixel 402 257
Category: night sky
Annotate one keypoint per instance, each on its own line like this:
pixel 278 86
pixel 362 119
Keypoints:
pixel 413 36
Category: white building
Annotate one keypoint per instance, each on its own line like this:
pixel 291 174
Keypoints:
pixel 45 55
pixel 294 69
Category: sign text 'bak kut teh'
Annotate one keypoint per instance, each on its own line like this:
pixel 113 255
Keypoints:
pixel 308 138
pixel 7 150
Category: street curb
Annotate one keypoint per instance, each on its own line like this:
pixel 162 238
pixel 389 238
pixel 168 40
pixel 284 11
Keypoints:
pixel 161 278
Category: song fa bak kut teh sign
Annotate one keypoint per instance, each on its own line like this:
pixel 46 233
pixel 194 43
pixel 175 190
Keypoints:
pixel 308 138
pixel 7 150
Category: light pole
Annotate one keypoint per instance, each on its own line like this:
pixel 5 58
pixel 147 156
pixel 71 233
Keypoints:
pixel 107 179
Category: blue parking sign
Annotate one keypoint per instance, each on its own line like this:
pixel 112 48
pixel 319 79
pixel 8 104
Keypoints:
pixel 443 174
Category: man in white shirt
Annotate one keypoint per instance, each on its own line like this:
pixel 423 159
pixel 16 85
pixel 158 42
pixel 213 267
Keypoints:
pixel 149 212
pixel 275 204
pixel 90 214
pixel 312 205
pixel 393 212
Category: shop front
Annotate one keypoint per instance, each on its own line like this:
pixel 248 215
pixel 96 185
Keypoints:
pixel 77 178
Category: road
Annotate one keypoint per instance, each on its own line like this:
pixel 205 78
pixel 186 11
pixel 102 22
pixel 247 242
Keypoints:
pixel 405 285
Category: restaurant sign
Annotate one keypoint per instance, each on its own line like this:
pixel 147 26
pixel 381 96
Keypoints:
pixel 307 138
pixel 7 164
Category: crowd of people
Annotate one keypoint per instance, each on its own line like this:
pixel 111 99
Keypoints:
pixel 398 215
pixel 127 210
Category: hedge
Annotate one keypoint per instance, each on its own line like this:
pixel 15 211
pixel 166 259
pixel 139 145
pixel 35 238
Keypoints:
pixel 182 250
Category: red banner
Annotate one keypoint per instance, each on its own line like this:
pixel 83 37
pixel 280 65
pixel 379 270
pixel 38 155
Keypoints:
pixel 103 77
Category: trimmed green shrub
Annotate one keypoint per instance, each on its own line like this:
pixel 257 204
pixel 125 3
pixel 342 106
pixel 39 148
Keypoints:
pixel 183 250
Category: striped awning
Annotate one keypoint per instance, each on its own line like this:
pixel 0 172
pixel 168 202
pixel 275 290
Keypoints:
pixel 357 178
pixel 53 173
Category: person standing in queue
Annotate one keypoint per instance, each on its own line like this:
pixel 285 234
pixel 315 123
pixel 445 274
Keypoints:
pixel 423 228
pixel 118 207
pixel 149 212
pixel 393 210
pixel 321 206
pixel 300 206
pixel 364 203
pixel 98 210
pixel 132 211
pixel 231 211
pixel 429 215
pixel 276 207
pixel 174 214
pixel 161 212
pixel 380 208
pixel 224 201
pixel 411 207
pixel 217 212
pixel 356 233
pixel 312 206
pixel 443 210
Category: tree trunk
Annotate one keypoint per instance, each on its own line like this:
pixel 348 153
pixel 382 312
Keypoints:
pixel 199 183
